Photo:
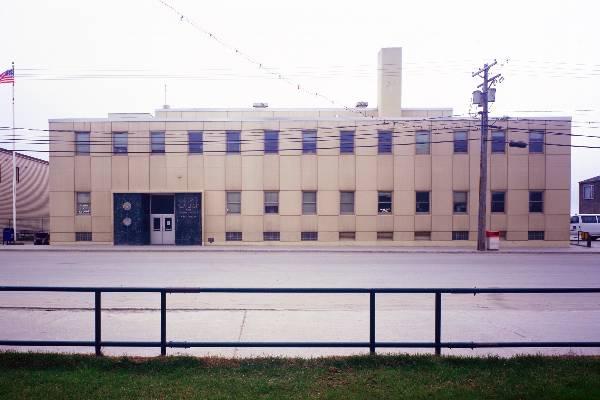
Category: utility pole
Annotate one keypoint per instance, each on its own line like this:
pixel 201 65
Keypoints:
pixel 481 98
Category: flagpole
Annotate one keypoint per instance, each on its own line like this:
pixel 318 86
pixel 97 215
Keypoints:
pixel 14 160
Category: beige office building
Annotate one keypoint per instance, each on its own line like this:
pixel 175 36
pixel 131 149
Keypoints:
pixel 364 176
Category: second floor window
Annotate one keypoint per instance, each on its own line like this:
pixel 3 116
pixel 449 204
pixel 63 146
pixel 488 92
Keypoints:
pixel 233 142
pixel 460 202
pixel 309 142
pixel 119 142
pixel 309 202
pixel 195 143
pixel 384 144
pixel 346 202
pixel 271 202
pixel 82 143
pixel 498 142
pixel 384 202
pixel 461 143
pixel 536 141
pixel 234 202
pixel 498 202
pixel 536 202
pixel 84 203
pixel 422 142
pixel 157 142
pixel 271 142
pixel 588 192
pixel 347 142
pixel 422 202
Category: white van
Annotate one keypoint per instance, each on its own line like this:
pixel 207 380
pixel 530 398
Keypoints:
pixel 586 223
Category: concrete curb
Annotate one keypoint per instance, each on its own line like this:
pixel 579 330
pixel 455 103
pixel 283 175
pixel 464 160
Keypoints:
pixel 148 249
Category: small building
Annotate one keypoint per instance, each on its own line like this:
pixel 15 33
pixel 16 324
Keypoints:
pixel 33 210
pixel 589 196
pixel 259 175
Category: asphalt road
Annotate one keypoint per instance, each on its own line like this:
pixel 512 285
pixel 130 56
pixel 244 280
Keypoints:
pixel 252 317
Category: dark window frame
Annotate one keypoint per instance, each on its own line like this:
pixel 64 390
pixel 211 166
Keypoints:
pixel 536 143
pixel 309 141
pixel 231 205
pixel 347 144
pixel 460 235
pixel 233 142
pixel 385 207
pixel 233 236
pixel 271 206
pixel 385 235
pixel 309 236
pixel 347 203
pixel 307 205
pixel 497 205
pixel 460 206
pixel 271 142
pixel 83 207
pixel 461 145
pixel 83 236
pixel 346 235
pixel 196 145
pixel 384 142
pixel 82 145
pixel 498 143
pixel 536 205
pixel 157 142
pixel 271 236
pixel 590 195
pixel 120 147
pixel 422 202
pixel 422 142
pixel 536 235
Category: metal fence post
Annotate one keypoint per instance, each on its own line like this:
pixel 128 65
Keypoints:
pixel 372 322
pixel 98 322
pixel 163 323
pixel 438 323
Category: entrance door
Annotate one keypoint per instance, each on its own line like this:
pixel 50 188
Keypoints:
pixel 162 219
pixel 163 228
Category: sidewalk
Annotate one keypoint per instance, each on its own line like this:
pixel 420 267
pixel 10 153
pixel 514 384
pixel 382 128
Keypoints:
pixel 595 249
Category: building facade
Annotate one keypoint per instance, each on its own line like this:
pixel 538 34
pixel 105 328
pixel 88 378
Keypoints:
pixel 32 203
pixel 385 175
pixel 589 196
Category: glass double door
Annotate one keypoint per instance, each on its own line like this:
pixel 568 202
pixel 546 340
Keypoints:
pixel 162 219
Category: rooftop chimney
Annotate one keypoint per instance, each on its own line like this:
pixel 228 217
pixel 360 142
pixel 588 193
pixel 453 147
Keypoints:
pixel 389 82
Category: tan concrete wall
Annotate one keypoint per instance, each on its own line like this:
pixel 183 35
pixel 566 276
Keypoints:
pixel 328 172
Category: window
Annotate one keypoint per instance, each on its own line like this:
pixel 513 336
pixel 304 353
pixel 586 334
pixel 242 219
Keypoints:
pixel 385 235
pixel 498 201
pixel 422 202
pixel 460 202
pixel 157 142
pixel 536 141
pixel 309 236
pixel 82 143
pixel 271 202
pixel 195 142
pixel 422 235
pixel 536 202
pixel 588 192
pixel 18 174
pixel 589 219
pixel 461 144
pixel 271 142
pixel 575 220
pixel 233 236
pixel 384 202
pixel 384 145
pixel 460 235
pixel 309 202
pixel 498 142
pixel 84 203
pixel 346 202
pixel 234 202
pixel 422 142
pixel 83 236
pixel 347 235
pixel 233 142
pixel 309 142
pixel 119 142
pixel 347 142
pixel 271 236
pixel 535 235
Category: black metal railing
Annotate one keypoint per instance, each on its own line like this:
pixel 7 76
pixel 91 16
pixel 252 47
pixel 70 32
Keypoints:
pixel 372 344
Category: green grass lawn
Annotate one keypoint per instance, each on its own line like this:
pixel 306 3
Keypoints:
pixel 52 376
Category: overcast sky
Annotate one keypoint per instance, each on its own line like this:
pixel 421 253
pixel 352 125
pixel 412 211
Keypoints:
pixel 86 59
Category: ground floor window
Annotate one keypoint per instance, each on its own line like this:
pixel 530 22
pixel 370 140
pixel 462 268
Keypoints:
pixel 233 236
pixel 306 236
pixel 535 235
pixel 83 236
pixel 271 236
pixel 347 235
pixel 460 235
pixel 385 235
pixel 422 235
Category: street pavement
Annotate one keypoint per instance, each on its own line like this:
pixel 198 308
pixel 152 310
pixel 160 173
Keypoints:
pixel 301 317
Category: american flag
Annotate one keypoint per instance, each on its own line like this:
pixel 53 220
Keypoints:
pixel 7 76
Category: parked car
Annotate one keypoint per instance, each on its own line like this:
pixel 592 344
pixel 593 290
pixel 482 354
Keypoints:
pixel 589 223
pixel 42 238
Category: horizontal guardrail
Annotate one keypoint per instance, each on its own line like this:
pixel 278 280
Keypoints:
pixel 372 344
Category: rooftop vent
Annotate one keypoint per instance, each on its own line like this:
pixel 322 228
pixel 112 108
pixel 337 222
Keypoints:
pixel 260 105
pixel 362 104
